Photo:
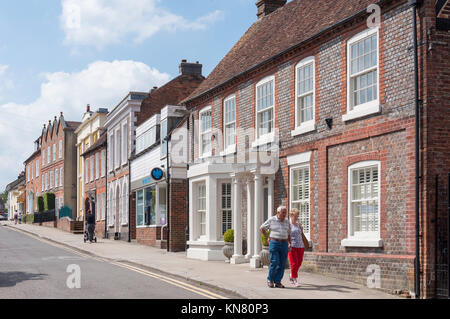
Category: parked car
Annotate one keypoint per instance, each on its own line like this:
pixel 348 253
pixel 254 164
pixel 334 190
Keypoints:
pixel 3 216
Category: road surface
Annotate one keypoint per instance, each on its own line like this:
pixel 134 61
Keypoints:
pixel 31 268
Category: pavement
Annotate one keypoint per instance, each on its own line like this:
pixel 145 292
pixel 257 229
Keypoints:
pixel 239 280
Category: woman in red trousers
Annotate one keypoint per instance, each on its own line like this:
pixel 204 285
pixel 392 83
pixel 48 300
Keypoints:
pixel 297 248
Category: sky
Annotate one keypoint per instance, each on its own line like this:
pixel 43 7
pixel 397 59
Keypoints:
pixel 60 55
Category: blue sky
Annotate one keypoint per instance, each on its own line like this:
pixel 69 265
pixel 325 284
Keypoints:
pixel 59 55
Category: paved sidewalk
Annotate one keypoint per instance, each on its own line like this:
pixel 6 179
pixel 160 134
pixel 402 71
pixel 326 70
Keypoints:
pixel 239 279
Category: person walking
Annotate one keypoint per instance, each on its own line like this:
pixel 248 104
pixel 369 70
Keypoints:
pixel 20 217
pixel 297 246
pixel 279 242
pixel 16 216
pixel 90 221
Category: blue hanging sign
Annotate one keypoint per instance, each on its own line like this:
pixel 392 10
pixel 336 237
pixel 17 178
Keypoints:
pixel 157 174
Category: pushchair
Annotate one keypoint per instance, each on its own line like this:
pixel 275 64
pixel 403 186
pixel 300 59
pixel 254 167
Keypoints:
pixel 86 233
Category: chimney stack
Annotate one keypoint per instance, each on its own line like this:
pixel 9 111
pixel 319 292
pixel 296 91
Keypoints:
pixel 187 68
pixel 88 108
pixel 266 7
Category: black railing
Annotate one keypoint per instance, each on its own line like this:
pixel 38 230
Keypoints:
pixel 43 217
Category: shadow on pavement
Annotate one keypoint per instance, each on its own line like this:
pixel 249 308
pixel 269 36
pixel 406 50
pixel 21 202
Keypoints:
pixel 335 288
pixel 10 279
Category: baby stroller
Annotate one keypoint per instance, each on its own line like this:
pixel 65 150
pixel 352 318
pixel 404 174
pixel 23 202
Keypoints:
pixel 89 233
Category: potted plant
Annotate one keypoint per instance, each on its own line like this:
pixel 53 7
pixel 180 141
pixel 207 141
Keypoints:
pixel 265 254
pixel 228 249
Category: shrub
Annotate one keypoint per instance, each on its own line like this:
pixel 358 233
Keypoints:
pixel 228 237
pixel 49 201
pixel 264 240
pixel 40 204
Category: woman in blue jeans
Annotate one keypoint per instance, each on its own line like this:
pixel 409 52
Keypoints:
pixel 279 242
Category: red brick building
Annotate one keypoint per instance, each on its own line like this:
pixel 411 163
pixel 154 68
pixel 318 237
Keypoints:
pixel 95 188
pixel 58 162
pixel 33 178
pixel 333 93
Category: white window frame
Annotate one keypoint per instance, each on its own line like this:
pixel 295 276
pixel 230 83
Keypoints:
pixel 103 163
pixel 222 209
pixel 307 126
pixel 268 137
pixel 48 155
pixel 124 148
pixel 373 106
pixel 37 168
pixel 97 167
pixel 111 150
pixel 61 177
pixel 200 135
pixel 56 178
pixel 91 169
pixel 124 204
pixel 200 212
pixel 60 149
pixel 362 239
pixel 291 194
pixel 86 171
pixel 118 141
pixel 54 152
pixel 51 180
pixel 231 148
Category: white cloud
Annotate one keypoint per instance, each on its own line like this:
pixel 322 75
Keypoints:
pixel 101 84
pixel 102 22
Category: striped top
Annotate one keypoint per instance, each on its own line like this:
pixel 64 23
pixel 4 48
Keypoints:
pixel 296 236
pixel 278 229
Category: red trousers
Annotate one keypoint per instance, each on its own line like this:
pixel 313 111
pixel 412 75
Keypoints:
pixel 295 259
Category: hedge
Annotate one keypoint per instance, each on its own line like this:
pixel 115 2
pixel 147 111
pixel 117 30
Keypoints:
pixel 40 204
pixel 49 201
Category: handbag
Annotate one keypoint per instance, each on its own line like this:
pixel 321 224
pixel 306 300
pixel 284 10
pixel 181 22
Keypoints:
pixel 305 240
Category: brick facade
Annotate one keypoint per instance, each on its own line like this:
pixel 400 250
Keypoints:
pixel 387 137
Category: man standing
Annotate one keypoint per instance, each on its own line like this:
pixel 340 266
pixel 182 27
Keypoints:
pixel 279 242
pixel 90 221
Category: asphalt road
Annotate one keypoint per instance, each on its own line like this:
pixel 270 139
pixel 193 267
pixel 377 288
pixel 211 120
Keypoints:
pixel 32 268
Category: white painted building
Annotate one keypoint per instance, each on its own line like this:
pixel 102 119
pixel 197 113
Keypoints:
pixel 120 125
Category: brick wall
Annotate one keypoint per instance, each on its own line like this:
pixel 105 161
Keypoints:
pixel 177 221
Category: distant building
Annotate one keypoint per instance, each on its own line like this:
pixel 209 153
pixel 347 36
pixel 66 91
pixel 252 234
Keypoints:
pixel 16 196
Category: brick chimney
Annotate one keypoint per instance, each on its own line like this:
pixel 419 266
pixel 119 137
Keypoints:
pixel 266 7
pixel 187 68
pixel 88 108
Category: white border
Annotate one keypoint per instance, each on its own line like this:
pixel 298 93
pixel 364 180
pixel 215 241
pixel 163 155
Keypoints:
pixel 269 137
pixel 370 239
pixel 371 107
pixel 200 153
pixel 310 125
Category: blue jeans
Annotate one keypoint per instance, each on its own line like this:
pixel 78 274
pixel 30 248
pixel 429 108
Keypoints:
pixel 278 255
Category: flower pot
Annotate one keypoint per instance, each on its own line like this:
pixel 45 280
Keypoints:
pixel 265 256
pixel 228 250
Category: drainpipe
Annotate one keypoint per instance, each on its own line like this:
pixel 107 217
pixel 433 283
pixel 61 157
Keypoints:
pixel 187 183
pixel 106 192
pixel 129 202
pixel 415 4
pixel 167 139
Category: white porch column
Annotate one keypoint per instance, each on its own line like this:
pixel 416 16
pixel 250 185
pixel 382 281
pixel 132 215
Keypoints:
pixel 255 262
pixel 250 218
pixel 211 208
pixel 270 198
pixel 237 257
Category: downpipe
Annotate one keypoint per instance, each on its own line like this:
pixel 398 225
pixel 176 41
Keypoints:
pixel 417 272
